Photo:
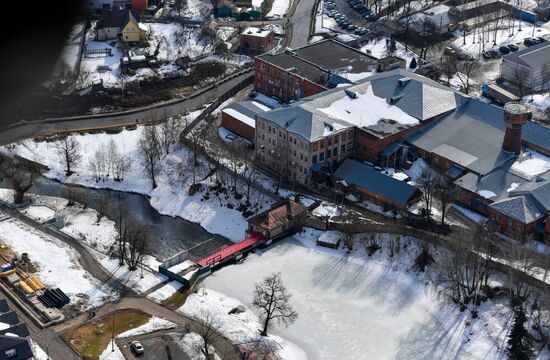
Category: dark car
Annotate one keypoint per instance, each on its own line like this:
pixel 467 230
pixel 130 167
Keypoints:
pixel 486 55
pixel 136 348
pixel 364 11
pixel 513 47
pixel 529 41
pixel 539 39
pixel 371 17
pixel 495 54
pixel 504 49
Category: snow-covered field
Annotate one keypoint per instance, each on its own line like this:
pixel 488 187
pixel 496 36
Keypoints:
pixel 57 264
pixel 355 306
pixel 504 36
pixel 154 324
pixel 39 213
pixel 169 198
pixel 195 10
pixel 165 292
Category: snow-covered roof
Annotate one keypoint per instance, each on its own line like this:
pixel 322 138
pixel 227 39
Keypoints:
pixel 256 31
pixel 246 111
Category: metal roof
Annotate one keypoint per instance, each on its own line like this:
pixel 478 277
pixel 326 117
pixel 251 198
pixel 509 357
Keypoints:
pixel 364 176
pixel 248 108
pixel 498 181
pixel 519 208
pixel 534 56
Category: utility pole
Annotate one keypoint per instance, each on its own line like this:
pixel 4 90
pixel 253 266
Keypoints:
pixel 113 330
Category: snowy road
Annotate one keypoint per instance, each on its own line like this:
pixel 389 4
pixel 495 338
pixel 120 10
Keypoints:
pixel 350 308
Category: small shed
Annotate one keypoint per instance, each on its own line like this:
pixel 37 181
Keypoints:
pixel 391 62
pixel 282 218
pixel 330 239
pixel 369 184
pixel 255 38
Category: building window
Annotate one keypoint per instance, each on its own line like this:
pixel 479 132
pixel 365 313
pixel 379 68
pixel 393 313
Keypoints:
pixel 262 66
pixel 321 156
pixel 509 223
pixel 314 159
pixel 520 227
pixel 263 136
pixel 315 147
pixel 497 217
pixel 350 134
pixel 301 156
pixel 335 151
pixel 328 153
pixel 343 149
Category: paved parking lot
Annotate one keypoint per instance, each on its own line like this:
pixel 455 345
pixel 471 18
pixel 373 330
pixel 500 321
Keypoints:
pixel 156 346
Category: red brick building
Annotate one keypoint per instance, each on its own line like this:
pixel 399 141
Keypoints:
pixel 297 73
pixel 254 38
pixel 141 5
pixel 240 117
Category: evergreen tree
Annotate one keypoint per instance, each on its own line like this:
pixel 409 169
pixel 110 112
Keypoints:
pixel 519 341
pixel 413 63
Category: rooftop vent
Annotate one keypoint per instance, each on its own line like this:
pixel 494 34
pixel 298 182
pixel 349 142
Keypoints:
pixel 392 100
pixel 351 94
pixel 404 81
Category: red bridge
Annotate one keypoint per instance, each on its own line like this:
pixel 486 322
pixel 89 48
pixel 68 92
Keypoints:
pixel 229 251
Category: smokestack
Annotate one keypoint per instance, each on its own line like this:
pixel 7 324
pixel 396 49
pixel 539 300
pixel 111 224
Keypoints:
pixel 515 115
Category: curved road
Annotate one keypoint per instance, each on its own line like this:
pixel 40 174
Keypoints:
pixel 151 113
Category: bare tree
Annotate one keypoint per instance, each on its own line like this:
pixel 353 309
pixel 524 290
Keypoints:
pixel 122 221
pixel 138 241
pixel 540 317
pixel 522 78
pixel 21 177
pixel 206 325
pixel 68 150
pixel 169 132
pixel 97 164
pixel 272 301
pixel 427 184
pixel 250 176
pixel 447 66
pixel 150 152
pixel 466 70
pixel 446 193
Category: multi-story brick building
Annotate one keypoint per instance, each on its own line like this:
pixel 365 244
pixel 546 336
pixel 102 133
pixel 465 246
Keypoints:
pixel 297 73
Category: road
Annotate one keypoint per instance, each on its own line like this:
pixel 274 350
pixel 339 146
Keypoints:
pixel 301 17
pixel 155 112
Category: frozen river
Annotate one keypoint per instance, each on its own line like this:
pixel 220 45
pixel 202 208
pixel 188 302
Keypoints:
pixel 349 308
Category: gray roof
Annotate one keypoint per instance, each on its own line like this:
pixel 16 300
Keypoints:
pixel 534 56
pixel 317 61
pixel 476 129
pixel 364 176
pixel 299 121
pixel 415 95
pixel 117 17
pixel 520 208
pixel 498 181
pixel 538 190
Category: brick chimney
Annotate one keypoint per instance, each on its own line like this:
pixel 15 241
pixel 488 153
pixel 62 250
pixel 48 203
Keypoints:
pixel 515 115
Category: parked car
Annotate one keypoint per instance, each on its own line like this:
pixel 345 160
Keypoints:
pixel 513 47
pixel 136 348
pixel 486 55
pixel 529 41
pixel 504 49
pixel 540 39
pixel 351 27
pixel 494 53
pixel 371 17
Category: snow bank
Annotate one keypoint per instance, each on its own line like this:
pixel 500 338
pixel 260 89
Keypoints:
pixel 154 324
pixel 39 213
pixel 165 292
pixel 108 354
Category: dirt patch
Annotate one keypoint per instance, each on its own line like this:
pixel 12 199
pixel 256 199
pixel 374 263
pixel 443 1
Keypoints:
pixel 92 338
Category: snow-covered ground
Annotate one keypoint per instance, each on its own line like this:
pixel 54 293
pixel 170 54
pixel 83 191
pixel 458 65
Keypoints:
pixel 379 49
pixel 238 328
pixel 37 351
pixel 108 354
pixel 40 213
pixel 57 264
pixel 541 101
pixel 165 292
pixel 279 8
pixel 171 195
pixel 195 10
pixel 353 305
pixel 504 36
pixel 173 41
